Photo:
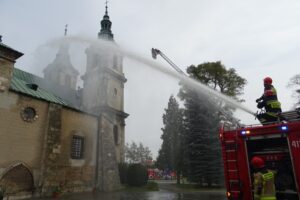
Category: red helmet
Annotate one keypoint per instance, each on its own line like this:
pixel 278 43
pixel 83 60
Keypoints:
pixel 268 81
pixel 257 162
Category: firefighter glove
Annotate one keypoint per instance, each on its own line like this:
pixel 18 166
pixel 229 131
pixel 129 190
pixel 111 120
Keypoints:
pixel 260 105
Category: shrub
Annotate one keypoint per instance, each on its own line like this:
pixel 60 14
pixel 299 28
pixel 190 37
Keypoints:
pixel 137 175
pixel 2 192
pixel 123 168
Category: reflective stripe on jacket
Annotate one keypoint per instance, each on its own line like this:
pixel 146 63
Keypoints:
pixel 273 103
pixel 264 182
pixel 272 106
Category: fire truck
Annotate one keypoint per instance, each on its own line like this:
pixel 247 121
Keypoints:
pixel 278 144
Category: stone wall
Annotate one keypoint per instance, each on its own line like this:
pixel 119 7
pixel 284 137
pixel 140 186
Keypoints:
pixel 51 171
pixel 5 74
pixel 77 123
pixel 120 147
pixel 80 173
pixel 71 175
pixel 108 174
pixel 115 93
pixel 21 142
pixel 8 58
pixel 44 145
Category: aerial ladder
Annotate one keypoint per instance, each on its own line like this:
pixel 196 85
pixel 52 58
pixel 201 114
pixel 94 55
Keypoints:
pixel 156 52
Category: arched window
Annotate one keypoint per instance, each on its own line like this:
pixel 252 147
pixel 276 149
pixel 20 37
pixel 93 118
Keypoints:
pixel 116 134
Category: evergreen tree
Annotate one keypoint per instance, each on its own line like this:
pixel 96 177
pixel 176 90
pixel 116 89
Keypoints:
pixel 170 153
pixel 202 116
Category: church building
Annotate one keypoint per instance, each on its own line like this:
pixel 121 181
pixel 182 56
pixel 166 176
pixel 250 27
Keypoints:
pixel 55 136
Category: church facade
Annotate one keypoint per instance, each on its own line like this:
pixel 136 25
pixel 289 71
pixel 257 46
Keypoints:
pixel 55 137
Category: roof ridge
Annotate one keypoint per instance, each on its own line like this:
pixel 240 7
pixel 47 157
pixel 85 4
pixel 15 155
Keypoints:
pixel 21 74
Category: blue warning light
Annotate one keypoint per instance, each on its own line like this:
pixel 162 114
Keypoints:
pixel 284 128
pixel 245 132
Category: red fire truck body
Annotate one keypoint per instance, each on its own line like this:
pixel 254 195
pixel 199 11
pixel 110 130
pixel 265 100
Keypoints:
pixel 277 144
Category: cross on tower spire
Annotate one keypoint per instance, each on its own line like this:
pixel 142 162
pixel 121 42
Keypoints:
pixel 66 29
pixel 105 32
pixel 106 2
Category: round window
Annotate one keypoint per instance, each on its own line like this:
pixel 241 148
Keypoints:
pixel 29 114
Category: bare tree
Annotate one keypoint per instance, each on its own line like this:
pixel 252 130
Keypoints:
pixel 137 153
pixel 295 83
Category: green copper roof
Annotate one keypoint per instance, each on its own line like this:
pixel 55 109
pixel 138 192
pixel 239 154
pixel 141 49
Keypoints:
pixel 21 83
pixel 25 76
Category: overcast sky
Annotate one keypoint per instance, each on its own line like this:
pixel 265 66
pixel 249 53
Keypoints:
pixel 256 37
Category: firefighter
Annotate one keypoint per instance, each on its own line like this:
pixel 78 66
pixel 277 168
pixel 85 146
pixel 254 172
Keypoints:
pixel 263 178
pixel 270 102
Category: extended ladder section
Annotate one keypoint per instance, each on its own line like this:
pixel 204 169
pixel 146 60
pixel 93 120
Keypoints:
pixel 231 166
pixel 156 52
pixel 290 116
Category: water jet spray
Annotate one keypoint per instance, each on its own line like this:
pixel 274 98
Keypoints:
pixel 156 52
pixel 199 87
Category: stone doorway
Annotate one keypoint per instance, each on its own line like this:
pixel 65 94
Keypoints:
pixel 17 179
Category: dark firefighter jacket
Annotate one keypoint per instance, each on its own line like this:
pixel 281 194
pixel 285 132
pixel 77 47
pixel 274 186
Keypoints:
pixel 270 102
pixel 266 88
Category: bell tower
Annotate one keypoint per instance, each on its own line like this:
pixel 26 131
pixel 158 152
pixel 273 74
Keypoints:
pixel 103 85
pixel 61 70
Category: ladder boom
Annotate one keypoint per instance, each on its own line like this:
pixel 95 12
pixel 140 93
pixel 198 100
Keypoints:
pixel 155 52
